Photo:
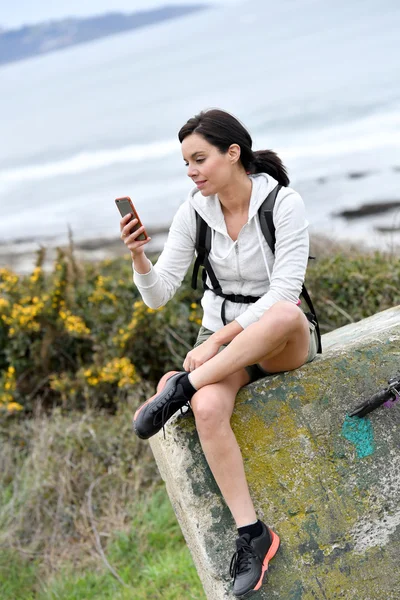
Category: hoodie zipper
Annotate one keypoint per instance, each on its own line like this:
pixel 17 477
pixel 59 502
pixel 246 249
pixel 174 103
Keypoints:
pixel 238 265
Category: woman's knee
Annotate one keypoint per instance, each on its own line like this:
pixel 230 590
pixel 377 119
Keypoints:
pixel 209 410
pixel 287 315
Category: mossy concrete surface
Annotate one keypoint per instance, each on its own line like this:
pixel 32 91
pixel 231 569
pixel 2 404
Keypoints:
pixel 328 484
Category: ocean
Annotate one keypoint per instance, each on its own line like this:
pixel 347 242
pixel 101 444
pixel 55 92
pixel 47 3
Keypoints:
pixel 315 80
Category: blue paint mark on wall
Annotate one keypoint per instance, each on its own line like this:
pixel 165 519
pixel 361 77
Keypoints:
pixel 360 433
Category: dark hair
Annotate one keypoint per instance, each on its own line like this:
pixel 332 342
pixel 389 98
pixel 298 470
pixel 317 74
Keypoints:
pixel 222 130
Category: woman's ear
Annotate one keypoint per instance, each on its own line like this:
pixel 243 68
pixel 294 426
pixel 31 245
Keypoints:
pixel 234 153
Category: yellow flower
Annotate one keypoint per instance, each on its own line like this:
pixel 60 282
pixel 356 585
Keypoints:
pixel 4 303
pixel 132 324
pixel 73 323
pixel 8 278
pixel 193 305
pixel 35 275
pixel 100 295
pixel 14 406
pixel 23 316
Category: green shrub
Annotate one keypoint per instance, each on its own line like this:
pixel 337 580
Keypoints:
pixel 347 287
pixel 81 336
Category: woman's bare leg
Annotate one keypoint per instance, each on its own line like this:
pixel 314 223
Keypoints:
pixel 212 407
pixel 279 341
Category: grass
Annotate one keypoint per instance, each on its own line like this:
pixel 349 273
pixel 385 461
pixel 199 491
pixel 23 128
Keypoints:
pixel 18 577
pixel 151 558
pixel 48 519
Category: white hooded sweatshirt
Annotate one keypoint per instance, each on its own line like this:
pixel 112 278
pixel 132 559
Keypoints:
pixel 245 266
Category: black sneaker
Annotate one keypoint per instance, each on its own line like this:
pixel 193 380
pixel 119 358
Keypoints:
pixel 249 564
pixel 155 412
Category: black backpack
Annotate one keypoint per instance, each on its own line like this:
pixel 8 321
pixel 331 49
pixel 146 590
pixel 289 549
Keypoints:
pixel 203 246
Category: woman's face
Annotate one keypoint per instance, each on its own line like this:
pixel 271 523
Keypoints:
pixel 209 169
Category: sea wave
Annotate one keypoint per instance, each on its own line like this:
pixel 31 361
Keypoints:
pixel 89 161
pixel 375 132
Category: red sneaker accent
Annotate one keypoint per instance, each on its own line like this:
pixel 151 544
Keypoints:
pixel 273 549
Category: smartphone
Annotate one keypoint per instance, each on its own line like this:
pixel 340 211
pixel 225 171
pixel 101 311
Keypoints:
pixel 125 207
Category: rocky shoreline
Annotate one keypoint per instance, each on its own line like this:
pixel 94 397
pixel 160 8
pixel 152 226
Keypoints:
pixel 21 257
pixel 370 209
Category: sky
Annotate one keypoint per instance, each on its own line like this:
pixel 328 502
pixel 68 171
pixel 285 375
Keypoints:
pixel 16 13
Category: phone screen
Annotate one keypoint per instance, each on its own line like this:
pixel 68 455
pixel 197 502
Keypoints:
pixel 125 208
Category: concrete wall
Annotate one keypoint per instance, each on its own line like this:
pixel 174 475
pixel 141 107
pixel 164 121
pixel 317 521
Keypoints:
pixel 327 484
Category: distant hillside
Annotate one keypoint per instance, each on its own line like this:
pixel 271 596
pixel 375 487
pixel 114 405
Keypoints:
pixel 31 40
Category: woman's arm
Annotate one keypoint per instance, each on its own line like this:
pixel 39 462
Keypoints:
pixel 291 257
pixel 141 264
pixel 158 283
pixel 198 356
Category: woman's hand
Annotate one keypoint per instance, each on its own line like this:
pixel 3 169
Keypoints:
pixel 198 356
pixel 130 238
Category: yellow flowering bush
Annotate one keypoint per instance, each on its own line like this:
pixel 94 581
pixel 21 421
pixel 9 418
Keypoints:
pixel 195 313
pixel 7 389
pixel 118 370
pixel 81 334
pixel 8 280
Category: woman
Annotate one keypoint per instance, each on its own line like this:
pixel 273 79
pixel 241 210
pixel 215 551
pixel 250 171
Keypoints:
pixel 270 335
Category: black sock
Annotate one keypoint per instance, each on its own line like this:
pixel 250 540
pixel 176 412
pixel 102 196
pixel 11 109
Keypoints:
pixel 188 388
pixel 253 530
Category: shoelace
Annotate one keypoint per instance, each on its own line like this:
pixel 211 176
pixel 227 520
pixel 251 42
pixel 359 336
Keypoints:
pixel 161 403
pixel 166 403
pixel 240 562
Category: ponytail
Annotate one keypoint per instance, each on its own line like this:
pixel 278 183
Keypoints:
pixel 267 161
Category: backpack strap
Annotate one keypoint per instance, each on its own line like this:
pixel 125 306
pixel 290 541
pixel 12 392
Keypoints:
pixel 312 317
pixel 203 246
pixel 265 213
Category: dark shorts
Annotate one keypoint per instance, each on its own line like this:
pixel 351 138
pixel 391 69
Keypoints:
pixel 256 371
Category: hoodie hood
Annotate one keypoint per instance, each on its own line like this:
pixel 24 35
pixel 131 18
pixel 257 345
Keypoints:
pixel 209 207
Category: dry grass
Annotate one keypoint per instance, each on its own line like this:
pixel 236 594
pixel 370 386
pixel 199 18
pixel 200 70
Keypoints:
pixel 47 466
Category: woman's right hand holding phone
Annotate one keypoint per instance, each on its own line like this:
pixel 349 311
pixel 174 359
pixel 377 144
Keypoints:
pixel 130 240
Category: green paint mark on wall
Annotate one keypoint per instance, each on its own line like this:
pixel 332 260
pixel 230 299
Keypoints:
pixel 360 433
